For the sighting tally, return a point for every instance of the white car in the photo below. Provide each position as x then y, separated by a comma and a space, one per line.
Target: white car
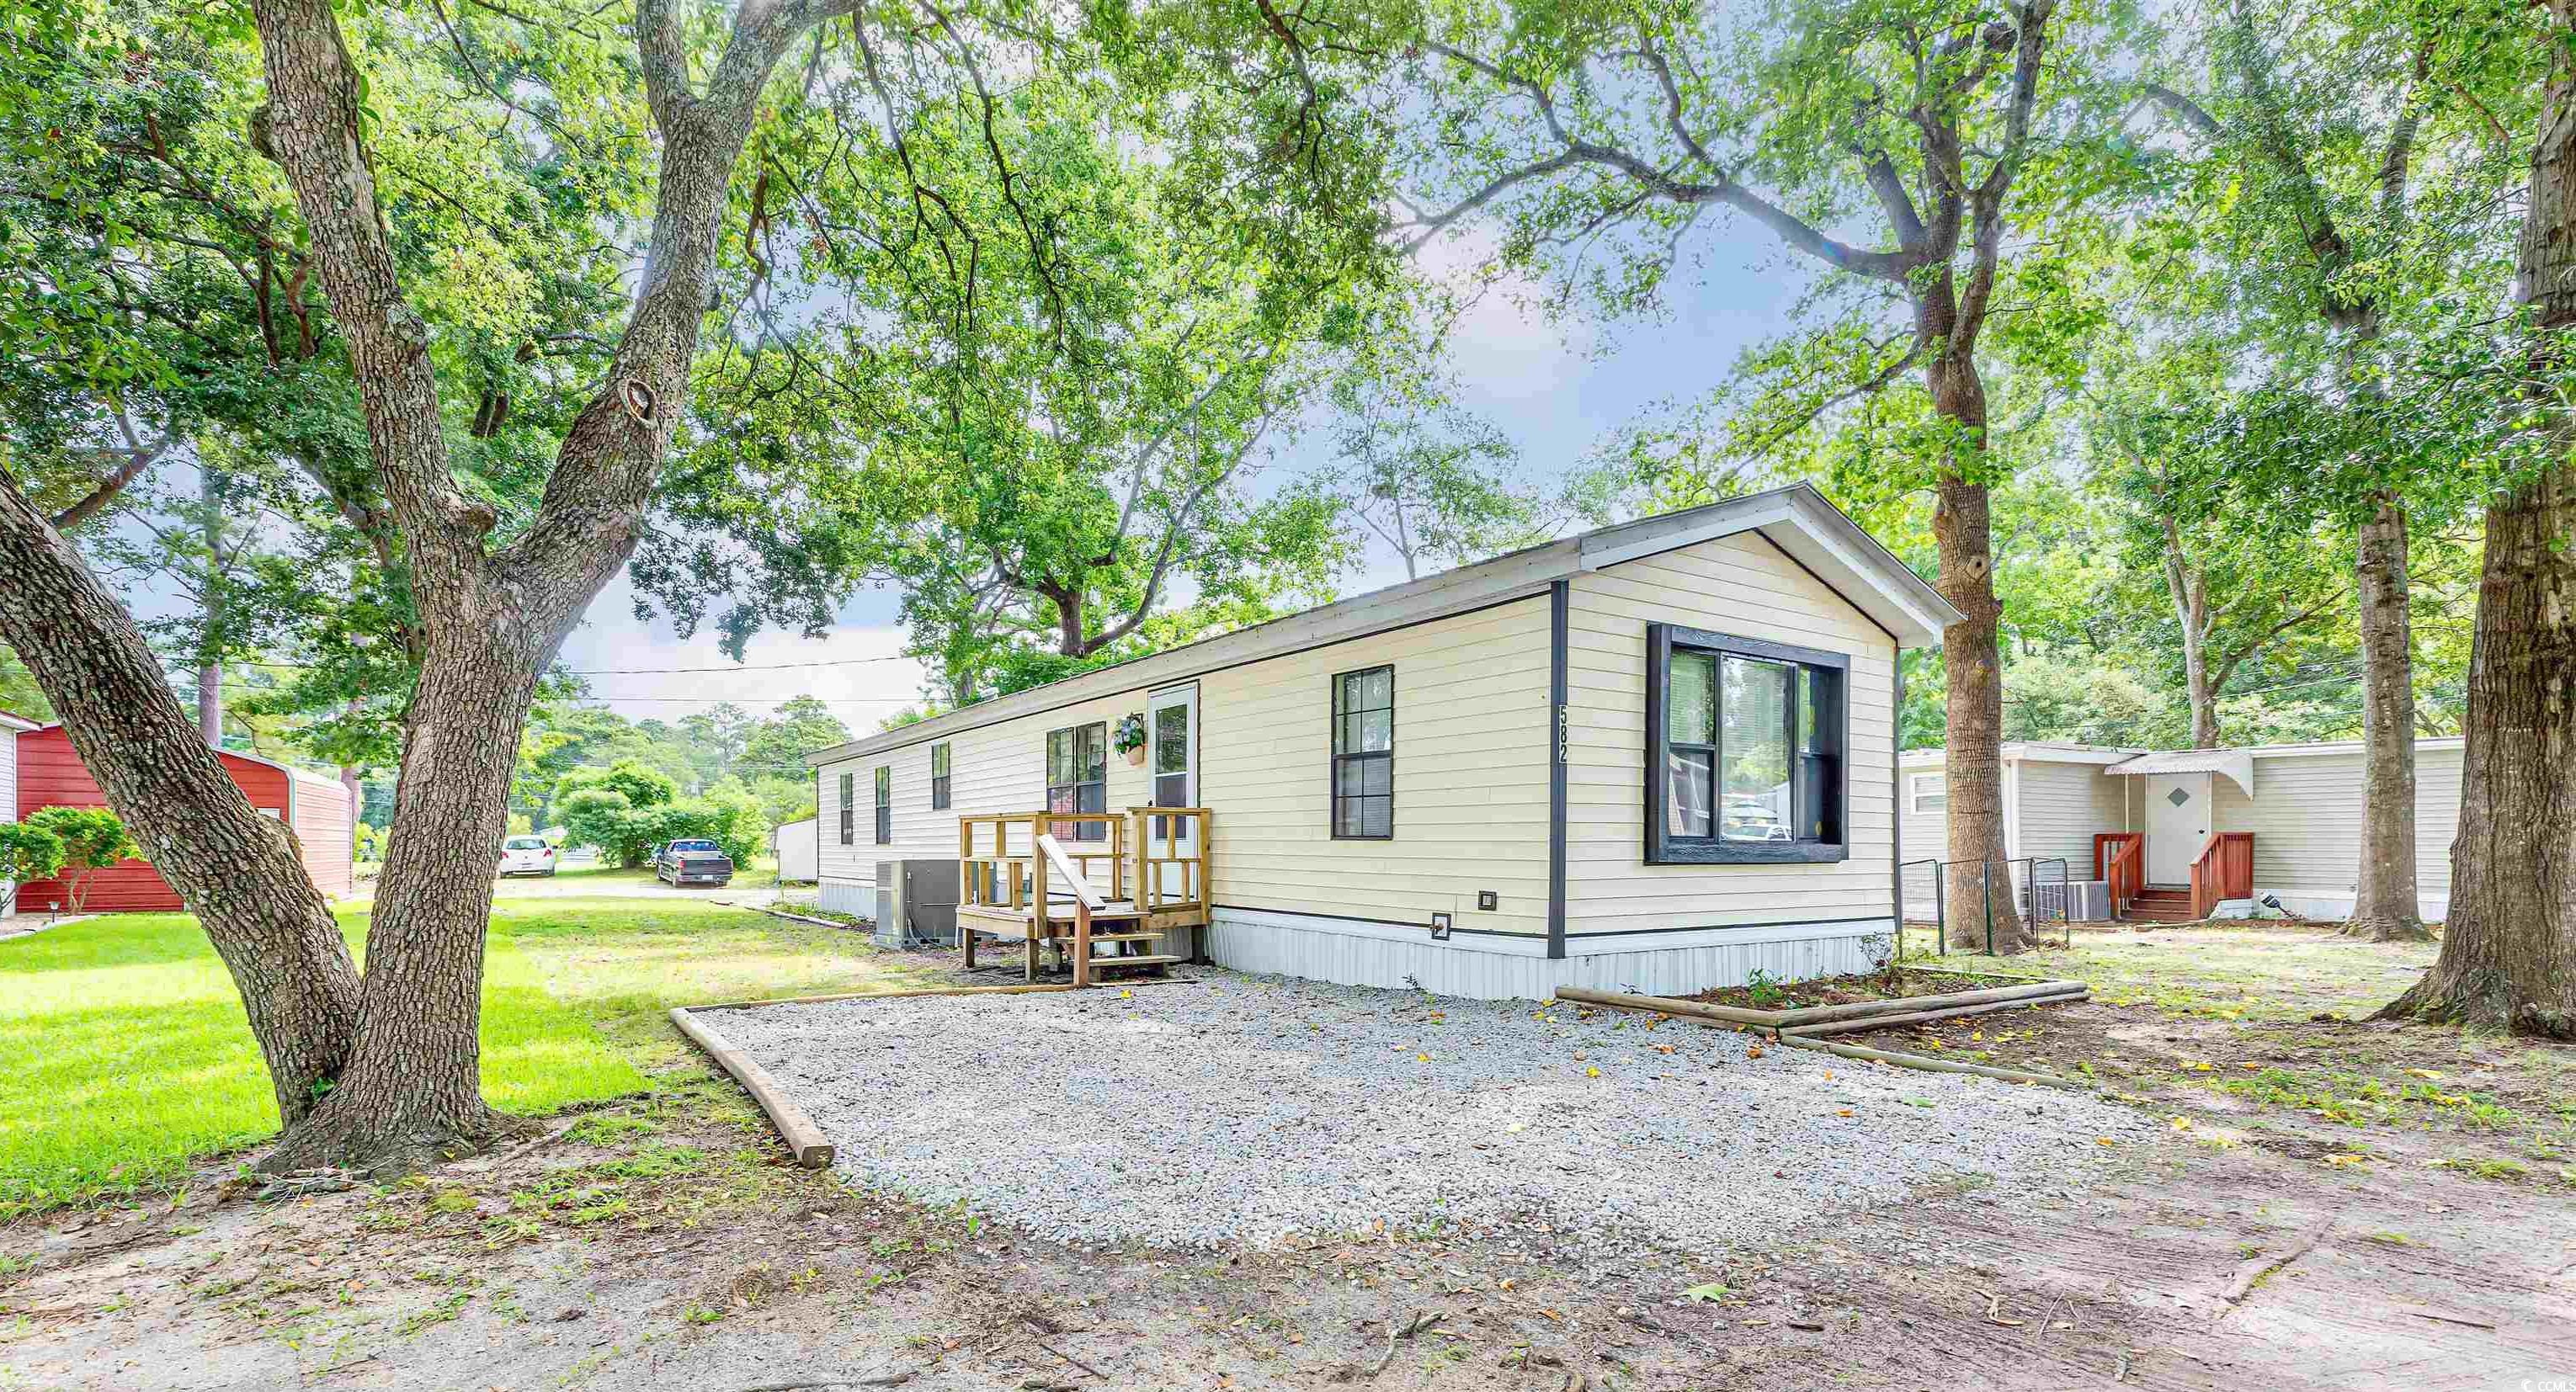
527, 855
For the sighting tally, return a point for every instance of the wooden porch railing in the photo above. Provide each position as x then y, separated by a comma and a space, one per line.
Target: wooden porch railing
1159, 834
2224, 870
1143, 845
2120, 861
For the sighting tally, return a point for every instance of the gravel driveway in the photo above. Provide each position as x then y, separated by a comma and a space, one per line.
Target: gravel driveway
1249, 1109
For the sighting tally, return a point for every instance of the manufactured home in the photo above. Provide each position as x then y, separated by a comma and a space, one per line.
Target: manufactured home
1659, 755
49, 773
11, 726
793, 843
2296, 808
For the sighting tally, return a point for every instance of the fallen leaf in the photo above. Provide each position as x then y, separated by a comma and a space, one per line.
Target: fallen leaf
1710, 1292
1592, 1072
1846, 1111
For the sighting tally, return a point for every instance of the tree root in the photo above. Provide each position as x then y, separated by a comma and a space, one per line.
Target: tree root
2386, 928
342, 1135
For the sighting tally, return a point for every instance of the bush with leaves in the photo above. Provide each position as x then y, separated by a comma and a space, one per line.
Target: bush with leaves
26, 853
93, 839
603, 817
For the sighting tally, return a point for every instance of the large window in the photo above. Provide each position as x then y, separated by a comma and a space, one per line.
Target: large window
1077, 762
849, 809
939, 775
1364, 755
885, 804
1744, 749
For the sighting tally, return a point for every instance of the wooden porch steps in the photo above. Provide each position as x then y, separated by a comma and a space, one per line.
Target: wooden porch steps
2161, 904
1156, 960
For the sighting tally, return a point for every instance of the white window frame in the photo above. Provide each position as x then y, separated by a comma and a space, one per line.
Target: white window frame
1915, 792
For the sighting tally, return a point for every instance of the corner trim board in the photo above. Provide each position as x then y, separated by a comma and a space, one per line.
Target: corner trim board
1560, 609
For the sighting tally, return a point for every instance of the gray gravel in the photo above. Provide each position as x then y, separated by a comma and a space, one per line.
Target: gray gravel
1256, 1108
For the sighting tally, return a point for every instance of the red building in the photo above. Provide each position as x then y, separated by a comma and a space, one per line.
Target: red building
50, 774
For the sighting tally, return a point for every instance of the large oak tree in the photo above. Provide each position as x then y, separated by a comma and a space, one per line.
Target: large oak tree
1602, 137
2508, 958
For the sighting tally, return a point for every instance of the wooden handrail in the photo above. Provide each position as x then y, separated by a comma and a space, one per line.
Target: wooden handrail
989, 877
2224, 869
2119, 860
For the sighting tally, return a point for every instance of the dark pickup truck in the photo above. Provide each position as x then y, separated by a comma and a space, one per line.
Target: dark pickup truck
698, 862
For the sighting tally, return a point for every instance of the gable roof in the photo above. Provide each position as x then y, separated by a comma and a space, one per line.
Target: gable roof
1797, 519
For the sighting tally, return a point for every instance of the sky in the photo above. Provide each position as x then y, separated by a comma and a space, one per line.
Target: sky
1556, 387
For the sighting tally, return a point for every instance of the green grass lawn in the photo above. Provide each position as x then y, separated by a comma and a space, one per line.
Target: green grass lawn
2252, 970
130, 1057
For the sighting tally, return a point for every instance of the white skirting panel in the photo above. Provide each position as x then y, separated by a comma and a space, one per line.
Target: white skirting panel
847, 896
1498, 967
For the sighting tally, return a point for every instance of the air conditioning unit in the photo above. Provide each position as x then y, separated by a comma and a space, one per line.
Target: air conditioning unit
916, 903
2088, 901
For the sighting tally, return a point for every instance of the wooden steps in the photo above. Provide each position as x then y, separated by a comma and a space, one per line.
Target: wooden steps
1156, 960
2161, 904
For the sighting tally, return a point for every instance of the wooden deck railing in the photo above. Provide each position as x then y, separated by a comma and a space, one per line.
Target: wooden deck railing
2224, 870
2120, 861
999, 865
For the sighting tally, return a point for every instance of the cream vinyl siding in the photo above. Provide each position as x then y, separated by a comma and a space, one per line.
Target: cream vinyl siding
1744, 587
2306, 818
2060, 807
1471, 776
999, 768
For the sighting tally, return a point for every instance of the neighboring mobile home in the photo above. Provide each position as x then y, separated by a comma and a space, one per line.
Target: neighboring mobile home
793, 843
50, 774
11, 726
2300, 804
1656, 755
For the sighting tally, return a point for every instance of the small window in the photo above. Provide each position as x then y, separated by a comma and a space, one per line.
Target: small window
1744, 750
885, 804
849, 809
938, 776
1930, 792
1364, 755
1077, 762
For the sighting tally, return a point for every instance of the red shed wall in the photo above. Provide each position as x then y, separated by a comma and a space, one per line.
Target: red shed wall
50, 774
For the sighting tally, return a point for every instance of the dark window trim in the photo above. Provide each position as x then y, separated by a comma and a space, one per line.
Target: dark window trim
885, 804
939, 781
1082, 831
849, 807
1664, 849
1333, 755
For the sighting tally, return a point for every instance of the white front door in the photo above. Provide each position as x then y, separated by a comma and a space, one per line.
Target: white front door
2177, 825
1172, 759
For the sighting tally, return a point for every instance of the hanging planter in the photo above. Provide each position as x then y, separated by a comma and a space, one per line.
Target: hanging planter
1131, 737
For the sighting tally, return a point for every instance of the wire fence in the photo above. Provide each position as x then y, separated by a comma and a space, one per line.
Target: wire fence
2034, 888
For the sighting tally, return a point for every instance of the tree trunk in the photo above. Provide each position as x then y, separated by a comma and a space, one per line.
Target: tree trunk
2509, 942
210, 704
412, 1093
2385, 903
2190, 591
1979, 888
235, 868
491, 620
210, 670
